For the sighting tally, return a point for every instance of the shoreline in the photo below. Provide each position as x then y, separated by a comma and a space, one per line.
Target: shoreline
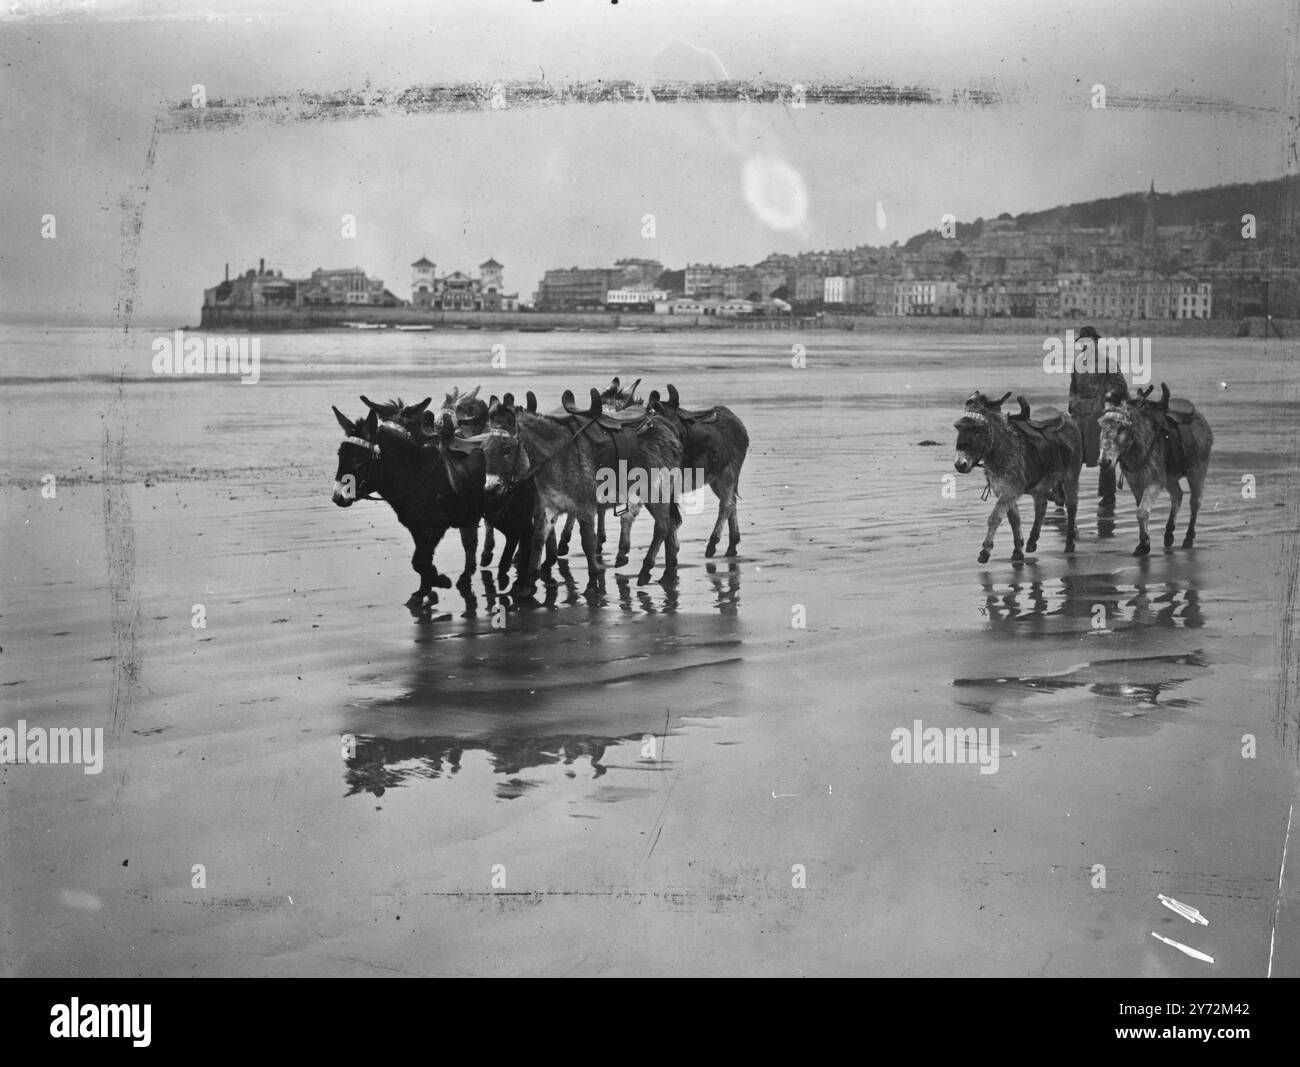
393, 319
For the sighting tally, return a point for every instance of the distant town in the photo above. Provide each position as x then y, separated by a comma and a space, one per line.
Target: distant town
1052, 265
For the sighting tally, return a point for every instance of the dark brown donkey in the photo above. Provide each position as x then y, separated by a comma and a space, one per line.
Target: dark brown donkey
713, 440
1153, 444
1020, 455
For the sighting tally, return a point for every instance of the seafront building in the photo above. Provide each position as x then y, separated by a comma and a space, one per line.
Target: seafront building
458, 291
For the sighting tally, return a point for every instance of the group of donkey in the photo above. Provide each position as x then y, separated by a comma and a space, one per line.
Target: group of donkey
1151, 443
518, 471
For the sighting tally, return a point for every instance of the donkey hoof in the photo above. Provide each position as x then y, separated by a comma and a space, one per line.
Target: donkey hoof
1069, 548
442, 581
643, 578
523, 590
1032, 546
1188, 542
1169, 540
983, 557
563, 549
620, 560
711, 550
417, 598
1143, 549
731, 551
1017, 556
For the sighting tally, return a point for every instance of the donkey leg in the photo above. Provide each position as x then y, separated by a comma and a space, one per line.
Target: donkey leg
1013, 517
625, 534
733, 522
563, 550
995, 520
1143, 516
426, 543
508, 551
712, 547
1071, 511
600, 528
489, 545
1197, 481
1040, 509
1175, 501
469, 541
595, 572
660, 514
526, 581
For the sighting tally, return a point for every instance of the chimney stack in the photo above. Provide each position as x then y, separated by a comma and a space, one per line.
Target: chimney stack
227, 272
261, 267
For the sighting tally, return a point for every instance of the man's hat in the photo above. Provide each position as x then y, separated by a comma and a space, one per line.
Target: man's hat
1087, 332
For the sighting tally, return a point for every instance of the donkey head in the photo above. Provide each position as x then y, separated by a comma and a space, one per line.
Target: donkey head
1118, 429
502, 452
615, 398
358, 469
974, 436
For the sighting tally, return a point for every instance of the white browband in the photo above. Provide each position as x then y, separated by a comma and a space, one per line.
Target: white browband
362, 443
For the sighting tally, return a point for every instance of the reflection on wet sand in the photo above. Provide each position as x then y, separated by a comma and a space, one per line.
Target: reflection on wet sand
1071, 602
562, 589
548, 682
1133, 692
382, 763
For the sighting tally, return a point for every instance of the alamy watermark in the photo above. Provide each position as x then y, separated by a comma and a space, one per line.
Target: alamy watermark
1105, 355
655, 485
179, 354
953, 744
36, 744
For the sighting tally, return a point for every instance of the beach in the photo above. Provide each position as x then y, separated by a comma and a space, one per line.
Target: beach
675, 780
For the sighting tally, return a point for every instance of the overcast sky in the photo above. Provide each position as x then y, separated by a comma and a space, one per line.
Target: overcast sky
81, 86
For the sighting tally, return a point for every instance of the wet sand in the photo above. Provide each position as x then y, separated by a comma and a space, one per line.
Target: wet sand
646, 773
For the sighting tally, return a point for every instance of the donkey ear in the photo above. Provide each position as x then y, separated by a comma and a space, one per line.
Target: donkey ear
372, 405
653, 399
532, 400
471, 394
372, 422
1003, 400
344, 421
418, 410
614, 385
595, 402
673, 399
492, 401
508, 401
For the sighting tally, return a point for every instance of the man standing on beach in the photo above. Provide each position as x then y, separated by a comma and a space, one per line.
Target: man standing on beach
1089, 384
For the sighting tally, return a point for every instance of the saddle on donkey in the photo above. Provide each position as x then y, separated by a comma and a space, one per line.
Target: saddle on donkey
620, 427
1039, 433
1175, 427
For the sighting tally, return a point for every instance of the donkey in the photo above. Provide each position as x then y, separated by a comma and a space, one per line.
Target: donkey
1020, 455
380, 458
1154, 443
462, 472
614, 399
632, 446
525, 451
715, 440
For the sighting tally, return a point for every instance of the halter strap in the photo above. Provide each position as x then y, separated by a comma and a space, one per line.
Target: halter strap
361, 442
